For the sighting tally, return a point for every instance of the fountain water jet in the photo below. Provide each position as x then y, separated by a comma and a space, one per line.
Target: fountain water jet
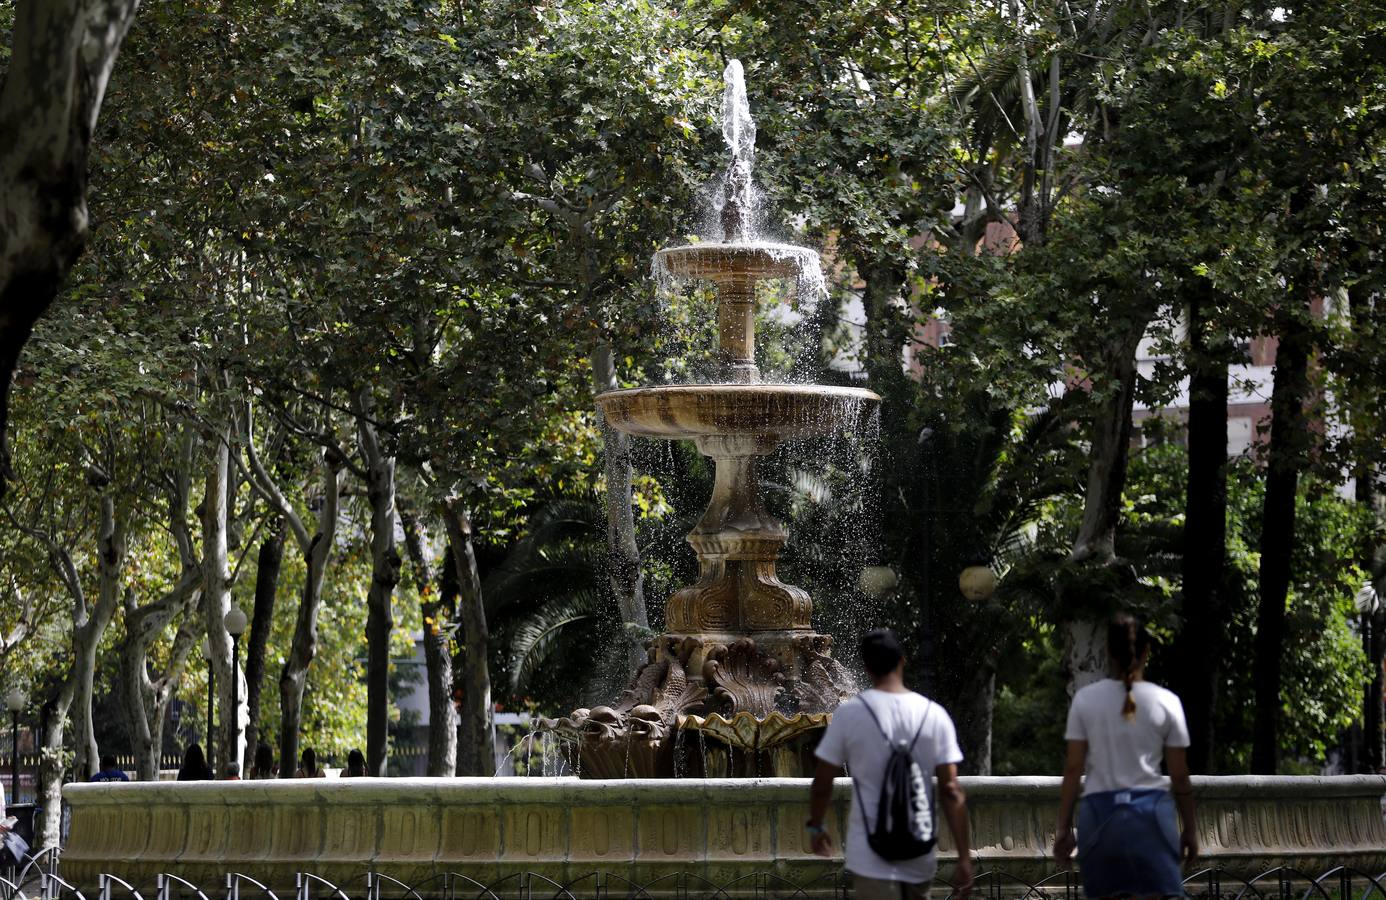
739, 661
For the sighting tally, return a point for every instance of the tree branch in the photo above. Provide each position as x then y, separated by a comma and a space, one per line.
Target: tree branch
264, 485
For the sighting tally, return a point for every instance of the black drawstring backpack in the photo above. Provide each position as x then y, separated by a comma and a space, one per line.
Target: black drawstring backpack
904, 826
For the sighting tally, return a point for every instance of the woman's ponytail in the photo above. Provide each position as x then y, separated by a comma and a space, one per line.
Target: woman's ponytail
1127, 643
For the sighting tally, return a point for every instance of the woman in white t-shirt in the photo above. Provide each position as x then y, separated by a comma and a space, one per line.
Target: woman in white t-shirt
1119, 730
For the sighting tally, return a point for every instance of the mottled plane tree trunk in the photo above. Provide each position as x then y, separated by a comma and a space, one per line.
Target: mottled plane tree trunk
145, 698
267, 567
89, 623
385, 565
61, 56
438, 606
1286, 457
111, 550
476, 743
216, 596
316, 549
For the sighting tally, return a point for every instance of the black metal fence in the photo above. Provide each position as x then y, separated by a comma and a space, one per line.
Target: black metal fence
39, 878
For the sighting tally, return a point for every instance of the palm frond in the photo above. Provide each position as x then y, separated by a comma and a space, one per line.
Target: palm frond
1013, 547
539, 634
564, 544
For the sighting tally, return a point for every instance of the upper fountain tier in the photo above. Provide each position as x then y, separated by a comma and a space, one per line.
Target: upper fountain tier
735, 268
740, 409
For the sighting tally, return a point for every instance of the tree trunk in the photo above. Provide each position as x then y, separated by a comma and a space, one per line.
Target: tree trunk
476, 742
144, 699
89, 624
51, 767
970, 698
438, 606
885, 333
622, 552
61, 56
1374, 727
1111, 445
304, 647
954, 650
1362, 400
111, 562
216, 600
1198, 646
1085, 652
385, 565
268, 563
1285, 459
1095, 542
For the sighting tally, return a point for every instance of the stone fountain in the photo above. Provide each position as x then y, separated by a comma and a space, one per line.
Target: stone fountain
739, 669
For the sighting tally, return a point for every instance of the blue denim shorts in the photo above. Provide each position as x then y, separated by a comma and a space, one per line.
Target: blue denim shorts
1128, 843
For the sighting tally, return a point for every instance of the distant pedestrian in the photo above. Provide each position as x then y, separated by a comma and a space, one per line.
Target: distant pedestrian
1118, 730
890, 738
231, 772
110, 770
308, 766
194, 766
356, 765
264, 763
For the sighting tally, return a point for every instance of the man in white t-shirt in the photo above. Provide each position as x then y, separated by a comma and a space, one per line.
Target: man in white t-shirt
855, 739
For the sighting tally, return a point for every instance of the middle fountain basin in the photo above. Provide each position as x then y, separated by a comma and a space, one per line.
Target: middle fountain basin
776, 411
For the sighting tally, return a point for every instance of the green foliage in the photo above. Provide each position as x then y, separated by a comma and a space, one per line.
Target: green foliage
1323, 663
1031, 707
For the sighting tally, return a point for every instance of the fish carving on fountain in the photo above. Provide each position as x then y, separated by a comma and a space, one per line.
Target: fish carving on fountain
739, 667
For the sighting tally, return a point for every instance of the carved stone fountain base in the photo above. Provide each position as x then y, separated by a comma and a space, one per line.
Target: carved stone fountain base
712, 705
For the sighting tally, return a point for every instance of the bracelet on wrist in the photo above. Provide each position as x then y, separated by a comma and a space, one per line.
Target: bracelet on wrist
814, 829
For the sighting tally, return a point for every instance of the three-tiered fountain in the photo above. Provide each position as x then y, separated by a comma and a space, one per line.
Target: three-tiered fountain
739, 683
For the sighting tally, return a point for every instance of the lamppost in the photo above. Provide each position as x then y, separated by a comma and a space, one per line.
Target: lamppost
211, 691
16, 701
235, 622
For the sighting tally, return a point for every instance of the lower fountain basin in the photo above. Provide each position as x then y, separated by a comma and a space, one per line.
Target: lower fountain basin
783, 411
721, 830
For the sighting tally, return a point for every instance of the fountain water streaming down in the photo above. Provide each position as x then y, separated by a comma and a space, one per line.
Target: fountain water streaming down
739, 662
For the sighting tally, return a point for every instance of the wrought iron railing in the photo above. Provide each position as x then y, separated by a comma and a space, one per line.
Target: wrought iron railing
38, 878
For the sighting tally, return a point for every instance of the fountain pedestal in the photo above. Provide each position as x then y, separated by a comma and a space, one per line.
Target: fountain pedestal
737, 543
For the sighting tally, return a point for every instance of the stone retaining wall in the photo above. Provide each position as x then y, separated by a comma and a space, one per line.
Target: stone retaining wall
488, 828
